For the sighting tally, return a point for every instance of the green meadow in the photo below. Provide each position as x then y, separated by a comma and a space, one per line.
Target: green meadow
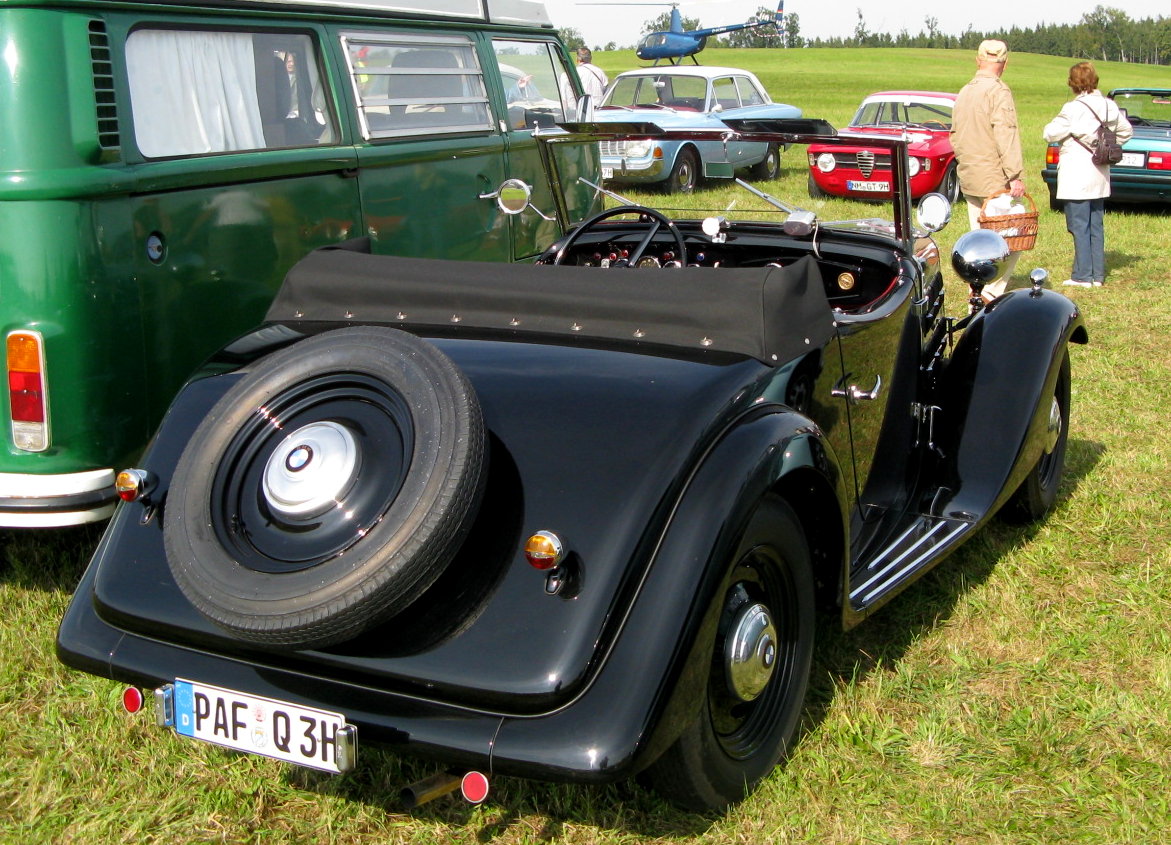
1020, 693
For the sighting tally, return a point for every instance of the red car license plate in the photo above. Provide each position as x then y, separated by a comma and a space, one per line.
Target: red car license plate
870, 187
306, 736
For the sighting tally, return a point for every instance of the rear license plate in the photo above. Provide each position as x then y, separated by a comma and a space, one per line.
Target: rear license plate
855, 185
306, 736
607, 172
1133, 160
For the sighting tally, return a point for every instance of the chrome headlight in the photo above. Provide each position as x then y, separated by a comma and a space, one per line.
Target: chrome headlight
980, 256
638, 149
826, 162
914, 166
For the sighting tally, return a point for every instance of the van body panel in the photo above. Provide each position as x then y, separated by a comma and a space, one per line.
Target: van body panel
47, 91
93, 358
225, 250
407, 188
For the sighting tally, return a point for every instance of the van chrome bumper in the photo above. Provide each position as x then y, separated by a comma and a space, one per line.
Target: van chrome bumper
56, 501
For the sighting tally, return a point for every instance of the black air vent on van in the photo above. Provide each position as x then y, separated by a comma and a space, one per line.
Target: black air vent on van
103, 69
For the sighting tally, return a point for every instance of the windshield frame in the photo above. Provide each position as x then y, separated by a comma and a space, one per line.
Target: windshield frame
783, 133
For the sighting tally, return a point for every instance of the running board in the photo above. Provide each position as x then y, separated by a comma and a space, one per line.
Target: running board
920, 546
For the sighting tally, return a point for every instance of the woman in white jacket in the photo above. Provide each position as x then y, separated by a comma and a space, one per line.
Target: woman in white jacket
1082, 185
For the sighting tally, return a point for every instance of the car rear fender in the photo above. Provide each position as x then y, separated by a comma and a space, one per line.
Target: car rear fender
657, 671
995, 396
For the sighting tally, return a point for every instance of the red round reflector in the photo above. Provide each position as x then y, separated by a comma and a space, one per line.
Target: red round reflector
474, 787
132, 699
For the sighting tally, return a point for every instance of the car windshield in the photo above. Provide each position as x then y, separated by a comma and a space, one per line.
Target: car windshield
647, 91
903, 112
1145, 108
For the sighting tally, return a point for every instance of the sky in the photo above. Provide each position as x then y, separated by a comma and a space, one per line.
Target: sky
601, 24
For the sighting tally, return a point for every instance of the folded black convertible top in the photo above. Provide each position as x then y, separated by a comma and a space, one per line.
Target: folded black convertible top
772, 314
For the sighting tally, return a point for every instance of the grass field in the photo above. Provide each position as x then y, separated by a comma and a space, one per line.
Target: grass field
1020, 693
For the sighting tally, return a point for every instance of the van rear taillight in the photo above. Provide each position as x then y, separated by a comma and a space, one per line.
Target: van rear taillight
1052, 154
28, 399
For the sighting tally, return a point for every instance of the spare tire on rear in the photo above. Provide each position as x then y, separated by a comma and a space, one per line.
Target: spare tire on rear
327, 489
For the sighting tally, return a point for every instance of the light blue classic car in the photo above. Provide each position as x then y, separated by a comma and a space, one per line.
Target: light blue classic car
692, 97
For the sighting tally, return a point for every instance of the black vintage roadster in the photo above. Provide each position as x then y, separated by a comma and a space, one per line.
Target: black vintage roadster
573, 520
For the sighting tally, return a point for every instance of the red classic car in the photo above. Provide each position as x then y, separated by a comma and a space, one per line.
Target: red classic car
862, 172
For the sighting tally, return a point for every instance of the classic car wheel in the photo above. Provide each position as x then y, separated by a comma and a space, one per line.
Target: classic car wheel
327, 488
657, 220
949, 185
759, 673
1037, 493
815, 190
685, 174
769, 167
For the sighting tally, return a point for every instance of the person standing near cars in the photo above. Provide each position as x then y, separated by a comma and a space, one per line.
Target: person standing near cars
593, 78
1083, 186
986, 138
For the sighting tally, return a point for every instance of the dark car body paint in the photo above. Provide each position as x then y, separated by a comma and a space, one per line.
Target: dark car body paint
649, 461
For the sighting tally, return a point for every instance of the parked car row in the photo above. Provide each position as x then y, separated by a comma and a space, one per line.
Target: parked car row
698, 97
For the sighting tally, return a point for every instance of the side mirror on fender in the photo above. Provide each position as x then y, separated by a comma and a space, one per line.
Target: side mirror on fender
933, 212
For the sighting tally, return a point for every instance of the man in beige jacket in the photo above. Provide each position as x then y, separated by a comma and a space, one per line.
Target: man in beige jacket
987, 142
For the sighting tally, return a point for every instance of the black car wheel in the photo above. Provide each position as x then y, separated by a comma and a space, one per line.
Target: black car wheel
949, 186
327, 488
759, 672
685, 174
1037, 493
815, 190
769, 167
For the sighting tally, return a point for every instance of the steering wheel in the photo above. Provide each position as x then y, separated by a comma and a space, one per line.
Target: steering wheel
657, 220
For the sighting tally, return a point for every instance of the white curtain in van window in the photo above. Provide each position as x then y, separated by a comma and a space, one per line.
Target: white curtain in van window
193, 92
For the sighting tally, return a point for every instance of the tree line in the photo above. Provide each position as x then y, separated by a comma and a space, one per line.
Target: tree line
1104, 34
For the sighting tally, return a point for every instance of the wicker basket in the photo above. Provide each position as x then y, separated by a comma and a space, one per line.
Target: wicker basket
1020, 230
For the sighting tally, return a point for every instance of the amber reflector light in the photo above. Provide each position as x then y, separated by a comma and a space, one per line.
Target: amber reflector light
544, 550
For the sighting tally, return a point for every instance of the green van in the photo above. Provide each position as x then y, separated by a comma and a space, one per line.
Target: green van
162, 164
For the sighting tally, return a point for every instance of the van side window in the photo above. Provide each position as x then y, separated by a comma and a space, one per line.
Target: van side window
197, 92
416, 85
537, 88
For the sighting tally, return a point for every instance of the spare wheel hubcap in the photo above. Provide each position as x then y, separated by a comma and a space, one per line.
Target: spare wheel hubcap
311, 470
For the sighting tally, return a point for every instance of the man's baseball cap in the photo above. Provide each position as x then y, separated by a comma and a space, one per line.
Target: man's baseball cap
992, 51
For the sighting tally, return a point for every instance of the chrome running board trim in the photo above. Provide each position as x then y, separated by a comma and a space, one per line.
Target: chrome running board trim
922, 544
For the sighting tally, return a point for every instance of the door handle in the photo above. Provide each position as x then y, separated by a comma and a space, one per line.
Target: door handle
854, 393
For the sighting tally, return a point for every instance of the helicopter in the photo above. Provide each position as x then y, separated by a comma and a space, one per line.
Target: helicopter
676, 44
